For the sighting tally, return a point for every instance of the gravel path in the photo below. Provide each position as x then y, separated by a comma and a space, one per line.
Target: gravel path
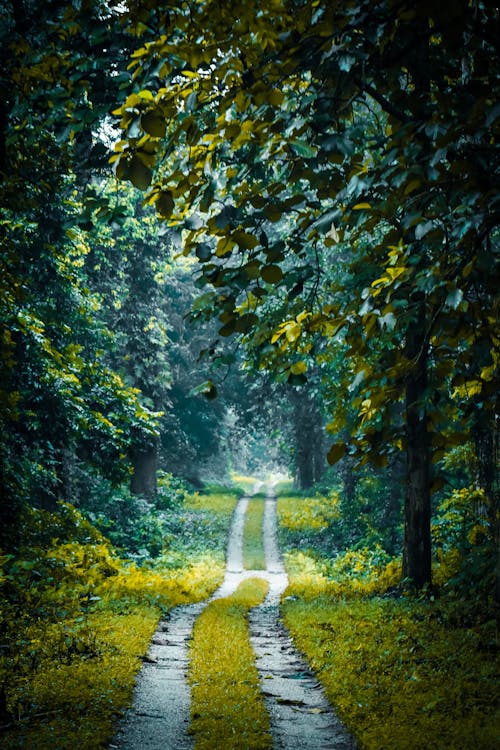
299, 711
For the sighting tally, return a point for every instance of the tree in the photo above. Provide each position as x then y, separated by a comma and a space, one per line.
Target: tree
59, 400
369, 124
127, 267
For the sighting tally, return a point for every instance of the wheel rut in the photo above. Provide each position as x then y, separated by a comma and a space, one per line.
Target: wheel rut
299, 711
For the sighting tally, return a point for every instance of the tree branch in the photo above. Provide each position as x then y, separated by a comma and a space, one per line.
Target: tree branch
384, 103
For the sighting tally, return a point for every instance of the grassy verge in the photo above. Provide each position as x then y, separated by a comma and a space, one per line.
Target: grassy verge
227, 707
253, 541
79, 676
402, 672
76, 619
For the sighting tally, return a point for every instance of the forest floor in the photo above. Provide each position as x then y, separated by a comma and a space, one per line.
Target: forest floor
299, 712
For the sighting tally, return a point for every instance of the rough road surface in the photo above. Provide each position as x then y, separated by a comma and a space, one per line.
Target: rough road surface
299, 711
301, 716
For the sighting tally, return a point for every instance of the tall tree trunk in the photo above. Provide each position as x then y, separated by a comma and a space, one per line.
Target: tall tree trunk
391, 517
486, 446
485, 434
308, 439
349, 480
495, 510
143, 479
417, 537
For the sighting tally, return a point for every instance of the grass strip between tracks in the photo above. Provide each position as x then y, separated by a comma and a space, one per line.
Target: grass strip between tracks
227, 705
253, 542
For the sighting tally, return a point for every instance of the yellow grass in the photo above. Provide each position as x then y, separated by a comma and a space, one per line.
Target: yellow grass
227, 707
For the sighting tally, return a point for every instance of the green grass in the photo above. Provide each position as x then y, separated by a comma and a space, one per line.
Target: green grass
253, 541
197, 528
79, 618
227, 705
403, 674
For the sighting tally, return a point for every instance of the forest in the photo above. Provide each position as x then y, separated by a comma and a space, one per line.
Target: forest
243, 243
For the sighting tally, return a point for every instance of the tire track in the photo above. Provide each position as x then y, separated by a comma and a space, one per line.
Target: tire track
299, 711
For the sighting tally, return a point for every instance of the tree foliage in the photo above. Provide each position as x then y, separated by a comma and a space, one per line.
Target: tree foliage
60, 399
278, 138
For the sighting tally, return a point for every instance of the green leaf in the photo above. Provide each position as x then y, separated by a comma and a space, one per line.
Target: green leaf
273, 212
271, 274
302, 148
252, 269
228, 329
245, 240
275, 97
154, 123
165, 204
121, 169
245, 323
336, 452
139, 175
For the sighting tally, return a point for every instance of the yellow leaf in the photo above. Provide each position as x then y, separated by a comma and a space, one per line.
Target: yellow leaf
292, 331
488, 373
361, 206
224, 246
298, 368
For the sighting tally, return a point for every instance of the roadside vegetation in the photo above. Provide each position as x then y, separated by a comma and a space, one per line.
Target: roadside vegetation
227, 708
77, 617
399, 669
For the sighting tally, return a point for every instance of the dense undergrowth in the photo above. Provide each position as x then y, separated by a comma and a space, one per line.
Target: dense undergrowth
227, 708
76, 617
399, 669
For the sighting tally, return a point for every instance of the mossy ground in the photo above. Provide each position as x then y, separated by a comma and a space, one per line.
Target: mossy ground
228, 708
